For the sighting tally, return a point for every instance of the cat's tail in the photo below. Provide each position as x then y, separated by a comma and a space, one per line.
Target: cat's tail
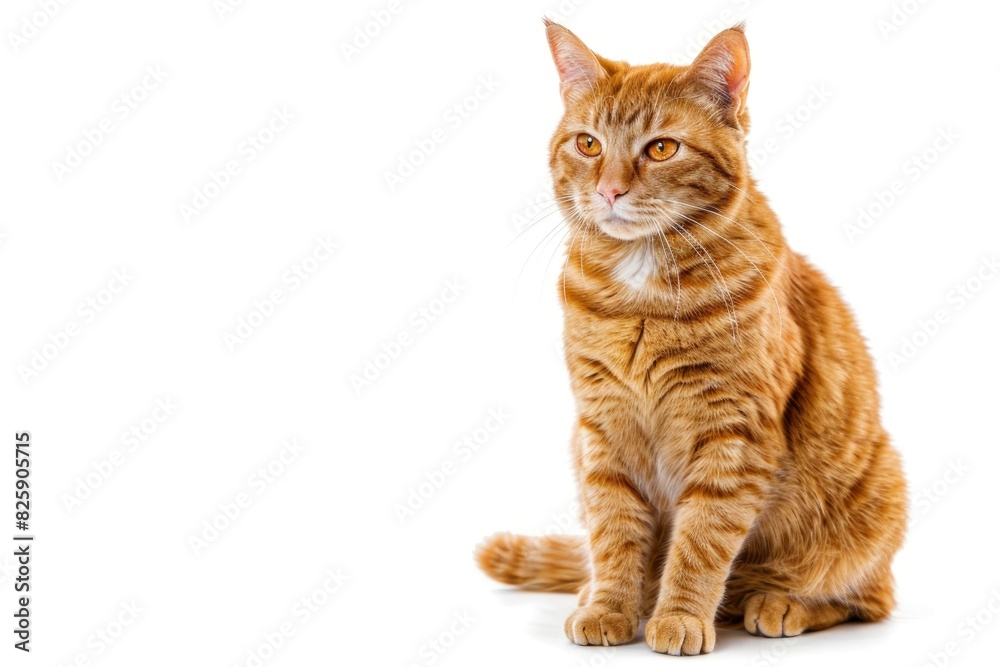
558, 563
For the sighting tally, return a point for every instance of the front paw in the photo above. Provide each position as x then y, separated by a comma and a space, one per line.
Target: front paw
678, 633
597, 625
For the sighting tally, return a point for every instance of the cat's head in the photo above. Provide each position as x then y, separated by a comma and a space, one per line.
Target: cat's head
643, 147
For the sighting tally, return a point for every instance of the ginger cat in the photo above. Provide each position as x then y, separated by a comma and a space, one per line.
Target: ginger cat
728, 448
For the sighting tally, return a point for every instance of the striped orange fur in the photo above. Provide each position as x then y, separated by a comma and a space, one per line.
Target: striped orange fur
728, 448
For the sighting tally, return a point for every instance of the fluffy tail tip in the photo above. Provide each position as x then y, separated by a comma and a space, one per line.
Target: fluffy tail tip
500, 556
547, 563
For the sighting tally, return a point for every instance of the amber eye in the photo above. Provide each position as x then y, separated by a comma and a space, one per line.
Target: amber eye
588, 145
662, 149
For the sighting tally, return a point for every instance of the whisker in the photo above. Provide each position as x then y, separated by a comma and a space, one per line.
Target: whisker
673, 262
670, 283
745, 193
566, 261
712, 211
555, 251
528, 260
724, 292
757, 268
716, 212
677, 271
547, 214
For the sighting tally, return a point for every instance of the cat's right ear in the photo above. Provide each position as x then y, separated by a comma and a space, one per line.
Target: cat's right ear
579, 69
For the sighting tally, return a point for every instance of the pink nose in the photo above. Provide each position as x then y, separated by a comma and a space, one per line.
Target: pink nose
611, 192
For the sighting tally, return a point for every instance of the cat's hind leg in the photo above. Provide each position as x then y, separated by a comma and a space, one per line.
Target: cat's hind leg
778, 615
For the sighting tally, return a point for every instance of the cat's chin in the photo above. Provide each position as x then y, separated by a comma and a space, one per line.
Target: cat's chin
624, 229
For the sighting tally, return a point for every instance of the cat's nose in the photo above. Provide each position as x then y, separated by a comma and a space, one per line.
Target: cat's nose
611, 192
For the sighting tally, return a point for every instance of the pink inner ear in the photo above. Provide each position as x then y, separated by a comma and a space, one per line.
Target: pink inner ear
725, 63
569, 65
577, 65
739, 70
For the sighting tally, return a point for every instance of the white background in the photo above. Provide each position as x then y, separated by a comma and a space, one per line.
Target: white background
886, 95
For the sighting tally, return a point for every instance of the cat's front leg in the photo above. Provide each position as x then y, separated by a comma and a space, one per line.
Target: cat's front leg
621, 527
723, 495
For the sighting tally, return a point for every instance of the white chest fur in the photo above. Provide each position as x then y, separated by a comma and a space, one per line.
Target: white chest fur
636, 267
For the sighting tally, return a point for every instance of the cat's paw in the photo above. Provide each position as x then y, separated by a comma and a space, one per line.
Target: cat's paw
774, 615
678, 633
596, 625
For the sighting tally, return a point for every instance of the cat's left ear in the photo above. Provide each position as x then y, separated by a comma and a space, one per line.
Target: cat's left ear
722, 73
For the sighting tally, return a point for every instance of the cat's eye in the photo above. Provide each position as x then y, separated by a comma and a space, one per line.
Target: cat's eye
588, 145
662, 149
